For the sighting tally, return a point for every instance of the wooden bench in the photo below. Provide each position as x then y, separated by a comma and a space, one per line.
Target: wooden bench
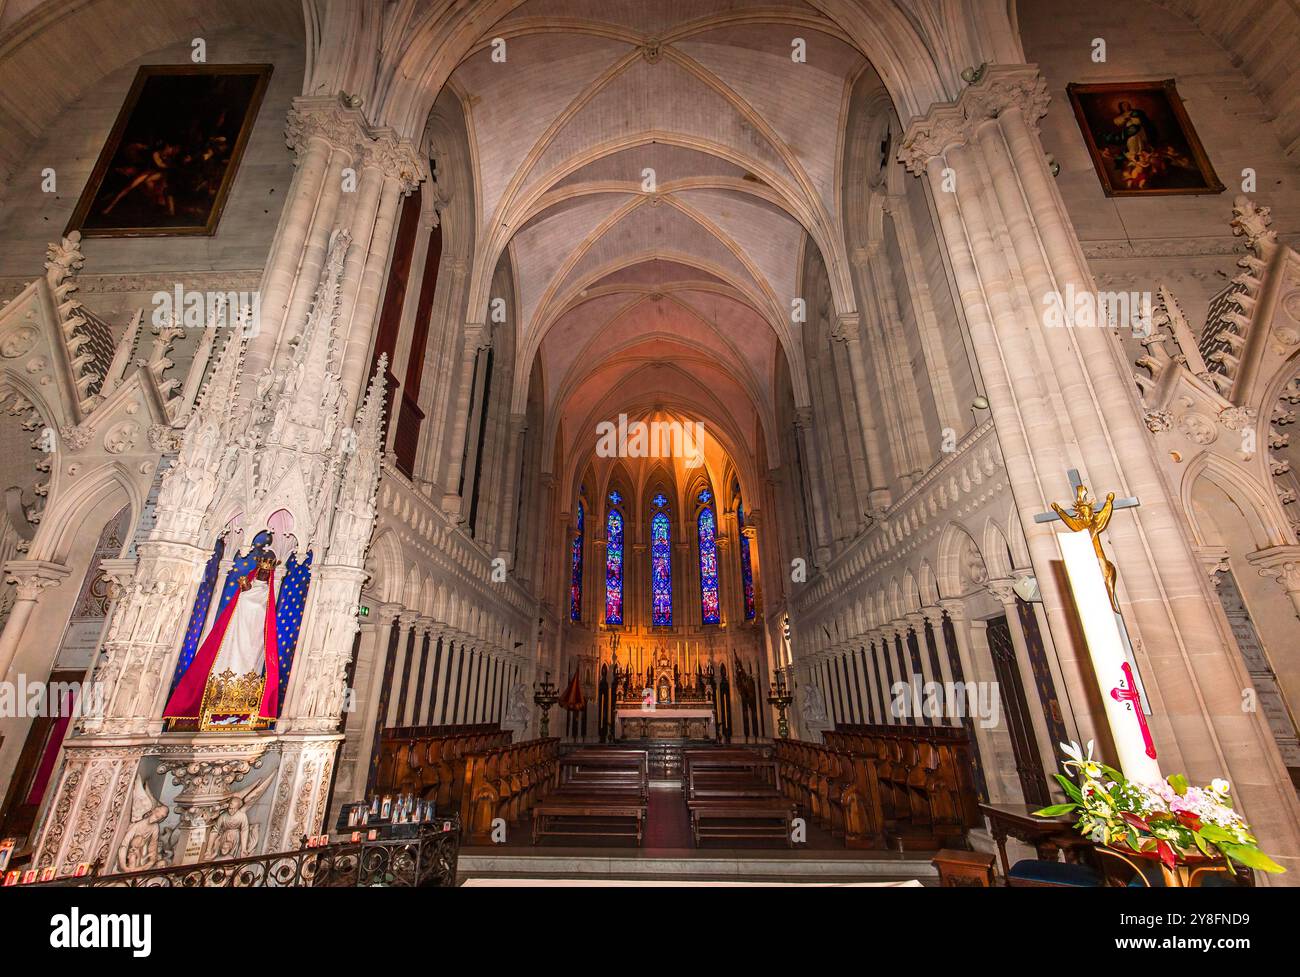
836, 788
599, 794
763, 818
736, 795
505, 783
428, 761
924, 777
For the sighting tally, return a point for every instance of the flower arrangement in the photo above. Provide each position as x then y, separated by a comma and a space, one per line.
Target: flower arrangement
1169, 820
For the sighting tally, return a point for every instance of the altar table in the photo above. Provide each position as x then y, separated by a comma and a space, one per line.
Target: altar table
665, 723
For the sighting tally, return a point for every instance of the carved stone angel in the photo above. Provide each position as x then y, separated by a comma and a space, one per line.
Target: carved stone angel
140, 849
232, 835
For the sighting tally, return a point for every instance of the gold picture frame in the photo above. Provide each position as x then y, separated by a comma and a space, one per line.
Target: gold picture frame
1141, 141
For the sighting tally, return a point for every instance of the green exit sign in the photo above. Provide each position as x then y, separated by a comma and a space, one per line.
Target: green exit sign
363, 610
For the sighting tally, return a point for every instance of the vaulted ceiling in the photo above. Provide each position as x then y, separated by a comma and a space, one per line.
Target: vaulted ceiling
654, 172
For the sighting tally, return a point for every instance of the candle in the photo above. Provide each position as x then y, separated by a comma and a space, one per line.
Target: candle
1109, 663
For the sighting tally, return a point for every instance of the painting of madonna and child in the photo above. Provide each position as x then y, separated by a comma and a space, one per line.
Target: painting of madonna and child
1141, 141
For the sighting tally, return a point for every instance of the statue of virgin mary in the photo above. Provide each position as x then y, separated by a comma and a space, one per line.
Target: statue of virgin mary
239, 652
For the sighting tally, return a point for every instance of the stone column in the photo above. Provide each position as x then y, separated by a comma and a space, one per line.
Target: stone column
31, 579
1064, 398
419, 663
729, 599
404, 624
507, 544
813, 464
848, 330
469, 378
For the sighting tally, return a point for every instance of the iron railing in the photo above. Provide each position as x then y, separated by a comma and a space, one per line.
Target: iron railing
427, 858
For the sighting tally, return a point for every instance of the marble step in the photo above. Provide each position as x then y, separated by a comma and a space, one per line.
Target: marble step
694, 864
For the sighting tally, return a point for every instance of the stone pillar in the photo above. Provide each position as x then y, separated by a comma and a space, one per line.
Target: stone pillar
31, 578
1064, 398
404, 625
507, 543
933, 616
469, 378
813, 464
848, 331
419, 665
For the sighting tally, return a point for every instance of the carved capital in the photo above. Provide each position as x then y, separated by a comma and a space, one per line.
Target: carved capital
954, 608
1282, 563
847, 327
323, 117
341, 127
1002, 590
32, 577
934, 615
1002, 88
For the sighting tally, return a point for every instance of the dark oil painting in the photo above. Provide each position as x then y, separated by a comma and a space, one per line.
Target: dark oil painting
167, 166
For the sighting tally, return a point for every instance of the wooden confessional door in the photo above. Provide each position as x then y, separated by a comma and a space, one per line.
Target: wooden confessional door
1029, 764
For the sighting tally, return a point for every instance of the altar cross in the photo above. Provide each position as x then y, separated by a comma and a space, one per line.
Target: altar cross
1084, 515
1076, 483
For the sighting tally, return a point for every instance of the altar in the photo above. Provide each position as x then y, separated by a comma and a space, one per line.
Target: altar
664, 722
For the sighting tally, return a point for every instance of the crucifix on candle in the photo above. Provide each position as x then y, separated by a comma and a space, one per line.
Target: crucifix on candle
1092, 579
1085, 515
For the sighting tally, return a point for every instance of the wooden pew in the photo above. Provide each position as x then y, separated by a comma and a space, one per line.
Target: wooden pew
836, 788
505, 783
427, 760
927, 793
735, 794
600, 793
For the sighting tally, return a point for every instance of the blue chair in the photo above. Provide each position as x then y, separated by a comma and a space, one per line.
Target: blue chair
1035, 872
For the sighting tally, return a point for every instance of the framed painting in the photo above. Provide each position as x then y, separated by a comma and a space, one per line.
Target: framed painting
1140, 139
168, 164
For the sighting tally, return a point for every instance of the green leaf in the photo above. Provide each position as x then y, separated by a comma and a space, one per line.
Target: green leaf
1056, 810
1251, 857
1215, 834
1179, 783
1200, 843
1071, 789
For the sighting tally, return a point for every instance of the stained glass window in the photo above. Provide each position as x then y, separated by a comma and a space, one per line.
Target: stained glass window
616, 497
708, 530
575, 573
746, 568
660, 500
614, 567
661, 572
705, 496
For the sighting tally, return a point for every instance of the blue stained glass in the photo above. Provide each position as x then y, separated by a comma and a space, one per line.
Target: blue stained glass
575, 573
708, 529
705, 497
660, 500
616, 497
614, 567
661, 572
746, 568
